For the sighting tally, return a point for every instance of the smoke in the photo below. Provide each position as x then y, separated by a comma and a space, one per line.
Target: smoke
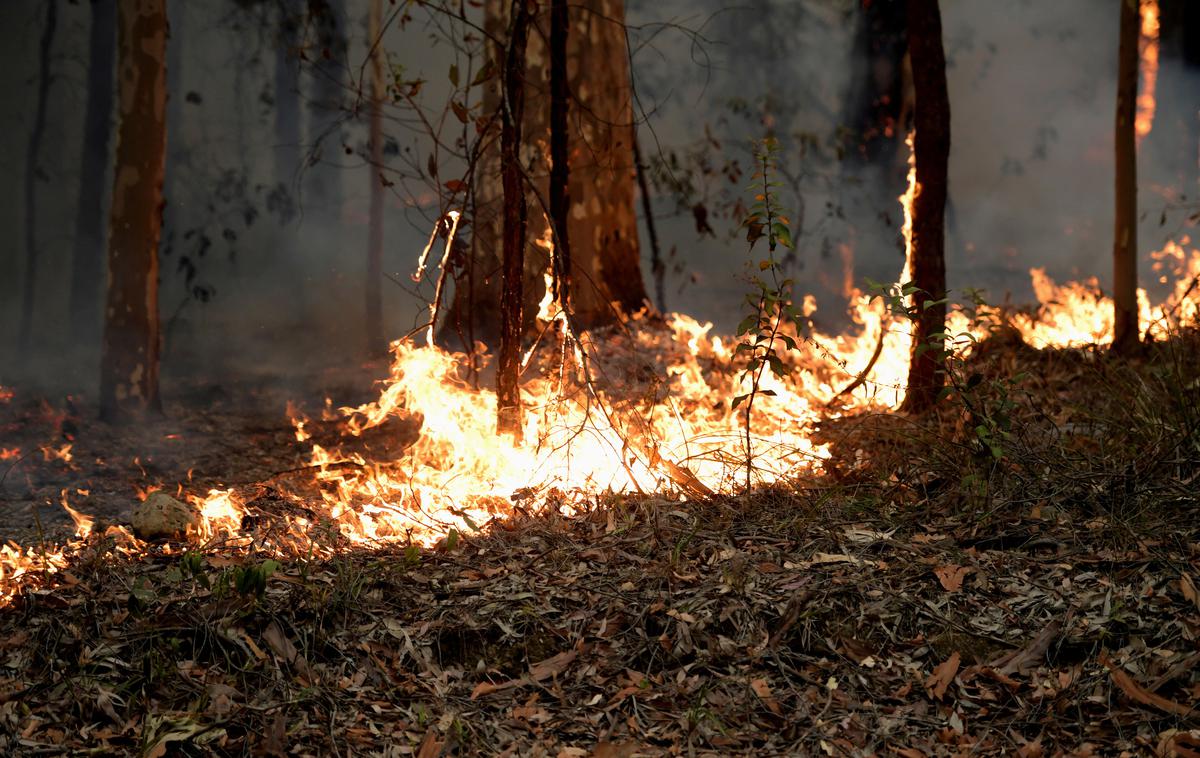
1031, 86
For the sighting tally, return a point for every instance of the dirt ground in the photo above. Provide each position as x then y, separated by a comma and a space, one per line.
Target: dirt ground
212, 434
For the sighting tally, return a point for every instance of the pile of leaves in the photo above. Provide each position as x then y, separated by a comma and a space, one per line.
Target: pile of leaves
767, 625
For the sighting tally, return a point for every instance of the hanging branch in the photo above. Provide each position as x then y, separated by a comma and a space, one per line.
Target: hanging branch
657, 268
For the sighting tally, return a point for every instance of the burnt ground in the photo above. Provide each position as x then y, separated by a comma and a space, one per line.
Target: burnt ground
211, 434
1018, 574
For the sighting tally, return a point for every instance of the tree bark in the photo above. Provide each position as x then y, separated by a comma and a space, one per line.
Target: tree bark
87, 259
1125, 316
931, 150
560, 190
602, 227
130, 351
376, 344
37, 131
508, 391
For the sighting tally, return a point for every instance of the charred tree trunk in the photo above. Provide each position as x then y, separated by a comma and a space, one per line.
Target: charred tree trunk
32, 172
87, 259
560, 190
322, 183
602, 227
129, 358
376, 344
512, 302
931, 150
1125, 316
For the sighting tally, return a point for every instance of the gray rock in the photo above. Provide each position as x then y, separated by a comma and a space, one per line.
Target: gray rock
161, 516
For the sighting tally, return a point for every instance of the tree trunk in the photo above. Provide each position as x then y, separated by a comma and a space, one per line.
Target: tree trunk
129, 358
287, 157
931, 150
287, 97
605, 260
376, 344
508, 368
87, 259
1125, 316
32, 171
560, 190
322, 192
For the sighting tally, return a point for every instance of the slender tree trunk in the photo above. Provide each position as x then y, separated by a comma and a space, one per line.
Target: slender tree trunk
87, 260
129, 358
287, 97
376, 344
560, 172
508, 391
1125, 316
931, 149
287, 156
322, 183
32, 170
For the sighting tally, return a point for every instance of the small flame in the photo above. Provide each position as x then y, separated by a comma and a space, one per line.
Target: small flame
9, 453
57, 454
83, 523
1148, 52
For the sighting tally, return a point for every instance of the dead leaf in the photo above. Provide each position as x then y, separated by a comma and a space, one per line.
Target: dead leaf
274, 742
952, 576
487, 688
945, 672
1140, 694
614, 750
531, 713
1188, 587
1020, 661
552, 666
431, 746
283, 647
763, 689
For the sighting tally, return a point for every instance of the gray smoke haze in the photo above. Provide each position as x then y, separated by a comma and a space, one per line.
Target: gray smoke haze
1032, 88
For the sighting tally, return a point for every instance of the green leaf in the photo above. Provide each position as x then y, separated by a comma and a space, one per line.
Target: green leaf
454, 74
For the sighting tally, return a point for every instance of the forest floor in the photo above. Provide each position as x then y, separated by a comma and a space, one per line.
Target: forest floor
1018, 574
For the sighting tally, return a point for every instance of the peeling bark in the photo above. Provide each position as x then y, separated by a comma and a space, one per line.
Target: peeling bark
130, 350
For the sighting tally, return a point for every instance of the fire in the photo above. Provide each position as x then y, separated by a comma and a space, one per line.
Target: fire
83, 522
62, 453
9, 453
1148, 51
655, 418
6, 394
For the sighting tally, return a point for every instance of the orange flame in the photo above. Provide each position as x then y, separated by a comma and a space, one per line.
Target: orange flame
1148, 51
